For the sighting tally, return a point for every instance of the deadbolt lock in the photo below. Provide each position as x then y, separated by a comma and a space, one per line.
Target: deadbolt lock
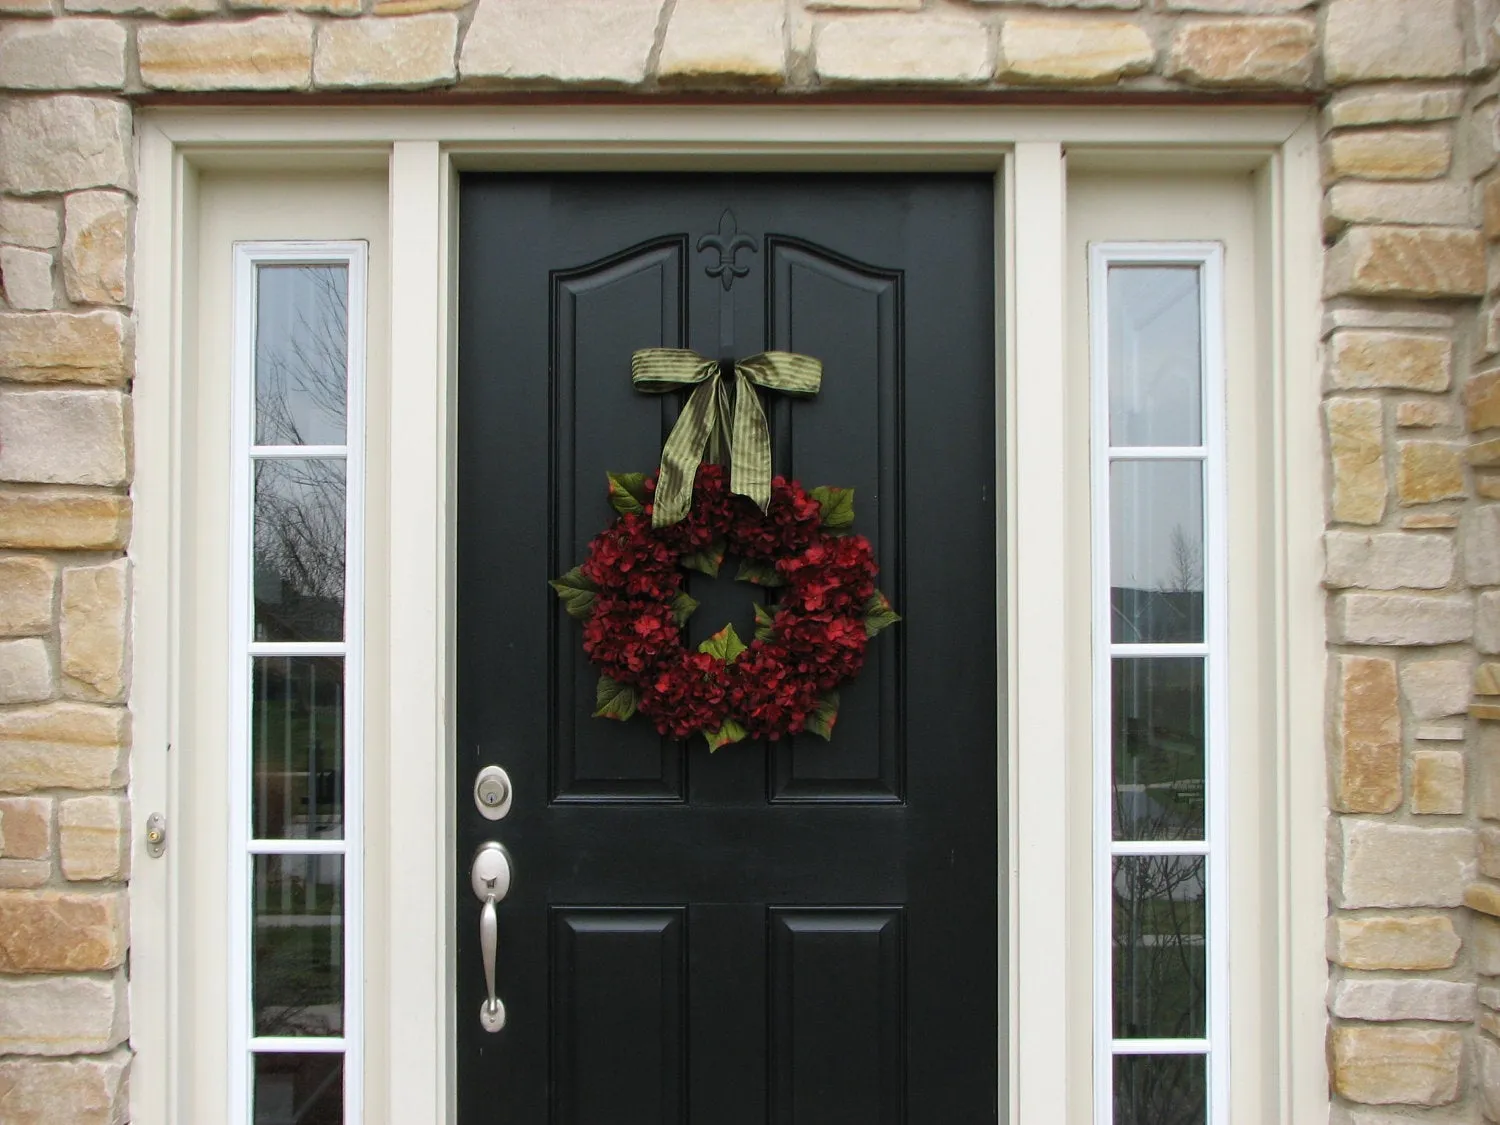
492, 792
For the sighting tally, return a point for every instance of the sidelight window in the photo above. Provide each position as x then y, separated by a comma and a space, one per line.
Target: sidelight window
1159, 683
296, 826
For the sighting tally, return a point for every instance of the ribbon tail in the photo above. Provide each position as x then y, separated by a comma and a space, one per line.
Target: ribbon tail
682, 455
750, 447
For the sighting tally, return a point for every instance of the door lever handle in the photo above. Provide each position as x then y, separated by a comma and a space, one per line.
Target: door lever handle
490, 878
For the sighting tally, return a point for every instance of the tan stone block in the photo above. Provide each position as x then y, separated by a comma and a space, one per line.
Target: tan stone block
63, 437
1387, 560
576, 41
1491, 207
64, 521
1406, 204
26, 592
26, 827
1487, 679
1489, 864
1366, 732
61, 931
1393, 941
1361, 360
1486, 487
24, 222
65, 347
1483, 454
416, 7
96, 249
412, 51
330, 7
95, 631
1364, 40
98, 152
1437, 784
1401, 619
1485, 898
61, 1015
1482, 401
1435, 689
922, 49
25, 8
16, 874
1381, 864
63, 746
1393, 105
93, 837
63, 55
1390, 154
1428, 521
1356, 446
1395, 1065
1487, 622
25, 671
865, 5
1421, 262
265, 53
1249, 7
1388, 1000
1423, 414
1428, 471
1249, 52
78, 1091
1071, 51
27, 275
724, 43
1485, 768
1488, 1055
1386, 318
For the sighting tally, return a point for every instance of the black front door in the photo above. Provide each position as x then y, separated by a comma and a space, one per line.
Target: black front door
799, 933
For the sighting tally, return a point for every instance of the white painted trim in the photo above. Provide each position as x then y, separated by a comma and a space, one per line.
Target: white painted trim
1208, 258
422, 147
248, 258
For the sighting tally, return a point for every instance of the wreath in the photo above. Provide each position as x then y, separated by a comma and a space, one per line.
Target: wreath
629, 596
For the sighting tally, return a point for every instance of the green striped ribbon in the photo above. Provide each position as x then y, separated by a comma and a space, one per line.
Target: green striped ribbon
708, 424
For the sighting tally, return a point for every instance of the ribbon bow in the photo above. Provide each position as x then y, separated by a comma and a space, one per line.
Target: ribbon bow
705, 422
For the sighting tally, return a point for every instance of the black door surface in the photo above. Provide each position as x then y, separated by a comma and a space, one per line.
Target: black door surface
799, 933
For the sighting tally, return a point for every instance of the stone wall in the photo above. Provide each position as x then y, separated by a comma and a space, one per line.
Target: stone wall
1412, 418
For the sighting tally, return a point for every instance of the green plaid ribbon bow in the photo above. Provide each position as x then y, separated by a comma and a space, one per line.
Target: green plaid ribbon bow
708, 423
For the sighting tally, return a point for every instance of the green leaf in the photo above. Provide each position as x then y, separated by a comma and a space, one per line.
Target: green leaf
627, 492
731, 731
725, 644
682, 608
838, 506
879, 614
706, 561
820, 722
614, 700
576, 592
760, 572
764, 619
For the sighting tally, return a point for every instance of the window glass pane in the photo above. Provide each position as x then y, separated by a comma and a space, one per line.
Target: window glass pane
1161, 1090
1157, 745
1156, 551
1159, 947
299, 1089
301, 355
297, 747
1155, 356
298, 917
299, 550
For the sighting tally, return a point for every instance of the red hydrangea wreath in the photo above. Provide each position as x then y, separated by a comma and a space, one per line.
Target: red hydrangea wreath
629, 595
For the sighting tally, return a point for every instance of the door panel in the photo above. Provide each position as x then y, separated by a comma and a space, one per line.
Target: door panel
801, 933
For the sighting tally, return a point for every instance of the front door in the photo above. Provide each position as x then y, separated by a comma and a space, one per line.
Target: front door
799, 932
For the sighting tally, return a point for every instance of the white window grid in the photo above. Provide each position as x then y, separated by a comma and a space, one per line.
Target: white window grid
244, 1045
1208, 259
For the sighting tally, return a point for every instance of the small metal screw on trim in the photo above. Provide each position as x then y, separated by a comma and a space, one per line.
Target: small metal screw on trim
156, 835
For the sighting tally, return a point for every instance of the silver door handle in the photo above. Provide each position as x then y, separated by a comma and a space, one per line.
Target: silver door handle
490, 878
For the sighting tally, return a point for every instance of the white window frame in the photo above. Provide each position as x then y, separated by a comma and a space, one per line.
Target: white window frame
1208, 258
1045, 927
243, 1045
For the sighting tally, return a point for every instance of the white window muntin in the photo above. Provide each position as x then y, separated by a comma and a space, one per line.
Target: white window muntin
245, 847
1206, 258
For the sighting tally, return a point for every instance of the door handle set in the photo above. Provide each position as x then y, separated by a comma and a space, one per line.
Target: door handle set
489, 875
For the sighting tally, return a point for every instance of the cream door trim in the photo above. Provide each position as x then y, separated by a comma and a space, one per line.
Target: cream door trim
419, 152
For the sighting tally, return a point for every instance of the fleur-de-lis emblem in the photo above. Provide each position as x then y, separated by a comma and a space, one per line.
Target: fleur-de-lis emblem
728, 242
